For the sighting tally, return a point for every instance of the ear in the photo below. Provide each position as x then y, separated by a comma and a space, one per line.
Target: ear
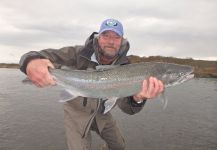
125, 46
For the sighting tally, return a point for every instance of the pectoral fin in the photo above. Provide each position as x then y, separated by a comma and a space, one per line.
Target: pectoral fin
66, 95
164, 100
109, 104
27, 81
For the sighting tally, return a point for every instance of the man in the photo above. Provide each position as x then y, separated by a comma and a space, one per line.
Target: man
108, 47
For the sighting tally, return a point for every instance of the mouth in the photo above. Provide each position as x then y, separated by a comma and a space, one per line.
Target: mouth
109, 48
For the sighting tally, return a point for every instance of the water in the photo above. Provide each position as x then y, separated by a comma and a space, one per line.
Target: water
32, 119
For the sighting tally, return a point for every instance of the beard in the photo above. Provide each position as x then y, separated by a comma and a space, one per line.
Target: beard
108, 54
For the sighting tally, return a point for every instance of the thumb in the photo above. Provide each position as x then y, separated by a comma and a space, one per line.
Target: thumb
145, 85
50, 65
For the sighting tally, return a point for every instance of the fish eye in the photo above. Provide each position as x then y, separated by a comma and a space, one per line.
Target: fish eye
181, 74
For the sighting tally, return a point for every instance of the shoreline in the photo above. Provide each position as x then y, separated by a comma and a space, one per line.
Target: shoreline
203, 68
9, 65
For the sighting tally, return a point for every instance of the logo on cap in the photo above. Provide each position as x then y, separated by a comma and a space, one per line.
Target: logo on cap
111, 23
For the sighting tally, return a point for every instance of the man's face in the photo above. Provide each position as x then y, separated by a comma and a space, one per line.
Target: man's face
110, 43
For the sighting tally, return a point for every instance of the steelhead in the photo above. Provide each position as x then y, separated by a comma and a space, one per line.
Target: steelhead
113, 82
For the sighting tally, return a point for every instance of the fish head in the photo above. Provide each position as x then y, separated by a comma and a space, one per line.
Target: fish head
174, 74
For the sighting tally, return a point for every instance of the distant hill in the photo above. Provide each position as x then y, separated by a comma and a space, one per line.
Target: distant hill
6, 65
203, 68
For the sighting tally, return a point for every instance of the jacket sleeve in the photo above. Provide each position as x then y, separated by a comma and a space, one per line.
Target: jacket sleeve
64, 56
129, 106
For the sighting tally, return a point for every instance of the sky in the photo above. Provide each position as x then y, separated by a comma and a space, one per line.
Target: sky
176, 28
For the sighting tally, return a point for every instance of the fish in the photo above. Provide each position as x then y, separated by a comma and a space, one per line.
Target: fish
111, 82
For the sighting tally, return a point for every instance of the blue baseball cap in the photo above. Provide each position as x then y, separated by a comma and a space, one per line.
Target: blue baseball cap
112, 25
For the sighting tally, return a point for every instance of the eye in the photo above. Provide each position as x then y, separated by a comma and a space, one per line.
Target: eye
181, 74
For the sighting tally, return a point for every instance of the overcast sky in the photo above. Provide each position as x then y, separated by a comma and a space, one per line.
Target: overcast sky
178, 28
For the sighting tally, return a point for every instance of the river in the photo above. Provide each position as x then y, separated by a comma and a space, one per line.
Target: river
32, 119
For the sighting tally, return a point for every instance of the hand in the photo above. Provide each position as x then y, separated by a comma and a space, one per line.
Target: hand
38, 73
150, 89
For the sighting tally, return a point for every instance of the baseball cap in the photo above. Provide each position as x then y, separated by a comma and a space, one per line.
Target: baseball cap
112, 25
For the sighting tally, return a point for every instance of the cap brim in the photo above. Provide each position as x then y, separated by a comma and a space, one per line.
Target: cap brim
111, 29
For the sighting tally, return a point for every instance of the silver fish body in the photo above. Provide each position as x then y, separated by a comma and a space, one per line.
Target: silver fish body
120, 81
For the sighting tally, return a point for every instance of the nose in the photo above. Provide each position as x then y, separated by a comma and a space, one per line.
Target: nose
111, 41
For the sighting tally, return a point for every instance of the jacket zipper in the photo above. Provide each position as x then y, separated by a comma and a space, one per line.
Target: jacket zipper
88, 124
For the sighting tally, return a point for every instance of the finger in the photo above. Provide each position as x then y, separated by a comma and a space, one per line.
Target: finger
40, 86
42, 79
156, 87
42, 82
144, 90
161, 86
47, 80
36, 84
150, 87
52, 81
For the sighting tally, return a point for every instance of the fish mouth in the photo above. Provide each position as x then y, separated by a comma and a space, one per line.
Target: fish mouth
183, 78
190, 76
186, 77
